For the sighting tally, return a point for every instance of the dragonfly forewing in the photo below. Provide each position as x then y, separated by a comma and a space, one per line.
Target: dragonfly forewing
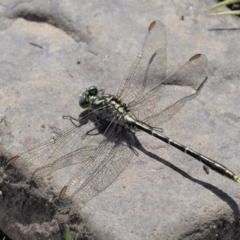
150, 65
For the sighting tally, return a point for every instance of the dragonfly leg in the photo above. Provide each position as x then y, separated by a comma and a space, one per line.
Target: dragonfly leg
72, 119
88, 133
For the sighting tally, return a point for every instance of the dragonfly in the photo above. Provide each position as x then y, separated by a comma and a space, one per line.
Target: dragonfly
100, 141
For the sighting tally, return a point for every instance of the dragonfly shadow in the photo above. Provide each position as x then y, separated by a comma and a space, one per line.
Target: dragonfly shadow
218, 192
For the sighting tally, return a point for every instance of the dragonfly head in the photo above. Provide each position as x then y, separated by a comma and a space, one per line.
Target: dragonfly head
85, 96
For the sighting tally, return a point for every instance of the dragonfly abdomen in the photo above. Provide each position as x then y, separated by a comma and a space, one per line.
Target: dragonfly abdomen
219, 168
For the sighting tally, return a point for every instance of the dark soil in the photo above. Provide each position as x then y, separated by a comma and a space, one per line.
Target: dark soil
36, 217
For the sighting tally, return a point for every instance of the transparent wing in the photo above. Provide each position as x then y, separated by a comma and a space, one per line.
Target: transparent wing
149, 67
109, 160
96, 166
82, 155
170, 95
98, 149
69, 141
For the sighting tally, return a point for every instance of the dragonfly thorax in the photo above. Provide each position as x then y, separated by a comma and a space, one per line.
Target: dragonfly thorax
106, 106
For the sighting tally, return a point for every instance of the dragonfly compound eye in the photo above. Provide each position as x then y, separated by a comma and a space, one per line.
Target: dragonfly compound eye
93, 91
83, 100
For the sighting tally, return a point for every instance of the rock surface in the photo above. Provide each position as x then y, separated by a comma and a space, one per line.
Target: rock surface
51, 51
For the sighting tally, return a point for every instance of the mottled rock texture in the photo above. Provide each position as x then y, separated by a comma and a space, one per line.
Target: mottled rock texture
51, 51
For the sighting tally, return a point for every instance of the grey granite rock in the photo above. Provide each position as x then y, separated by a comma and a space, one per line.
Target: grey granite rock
51, 51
